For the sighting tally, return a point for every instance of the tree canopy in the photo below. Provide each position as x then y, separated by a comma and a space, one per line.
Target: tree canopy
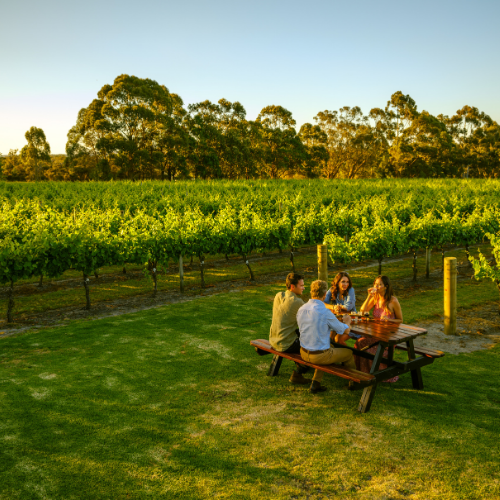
137, 129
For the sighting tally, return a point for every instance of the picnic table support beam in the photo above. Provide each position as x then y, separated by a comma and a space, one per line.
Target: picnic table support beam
275, 366
416, 373
450, 296
369, 392
322, 263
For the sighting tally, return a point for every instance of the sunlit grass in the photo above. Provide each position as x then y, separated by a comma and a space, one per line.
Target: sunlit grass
174, 403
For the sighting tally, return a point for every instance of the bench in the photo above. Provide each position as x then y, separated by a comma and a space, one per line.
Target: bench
429, 353
361, 378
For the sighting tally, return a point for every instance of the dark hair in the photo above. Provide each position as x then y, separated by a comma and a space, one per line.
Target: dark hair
388, 289
293, 279
335, 288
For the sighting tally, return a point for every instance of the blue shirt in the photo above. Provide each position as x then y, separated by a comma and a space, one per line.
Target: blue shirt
315, 322
349, 301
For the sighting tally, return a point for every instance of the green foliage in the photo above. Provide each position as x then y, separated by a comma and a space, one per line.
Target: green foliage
484, 268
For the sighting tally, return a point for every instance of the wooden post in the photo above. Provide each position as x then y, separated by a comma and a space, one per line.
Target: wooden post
427, 261
181, 273
450, 296
322, 263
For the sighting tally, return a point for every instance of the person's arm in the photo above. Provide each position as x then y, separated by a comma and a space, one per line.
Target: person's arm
350, 302
367, 304
338, 328
398, 313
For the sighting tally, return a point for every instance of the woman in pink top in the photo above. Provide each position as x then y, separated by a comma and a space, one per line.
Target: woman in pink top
386, 307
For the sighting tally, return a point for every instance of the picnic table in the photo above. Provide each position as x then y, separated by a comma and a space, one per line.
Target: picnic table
387, 335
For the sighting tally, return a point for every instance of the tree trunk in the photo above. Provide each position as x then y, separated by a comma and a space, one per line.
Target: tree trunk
469, 263
191, 263
442, 258
87, 291
124, 270
227, 258
428, 251
414, 266
181, 273
155, 278
96, 275
252, 277
292, 263
40, 282
380, 266
498, 286
202, 270
10, 302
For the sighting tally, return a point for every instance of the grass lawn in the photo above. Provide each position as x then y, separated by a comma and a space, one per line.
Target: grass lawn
174, 403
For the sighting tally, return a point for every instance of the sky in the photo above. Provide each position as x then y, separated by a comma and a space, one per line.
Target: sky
305, 56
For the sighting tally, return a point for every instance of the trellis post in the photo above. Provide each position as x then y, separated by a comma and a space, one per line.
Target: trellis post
322, 263
450, 296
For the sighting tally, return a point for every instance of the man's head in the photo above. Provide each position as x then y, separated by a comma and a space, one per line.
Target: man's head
295, 283
318, 289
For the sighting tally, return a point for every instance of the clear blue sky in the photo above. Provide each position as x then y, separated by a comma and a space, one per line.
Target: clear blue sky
306, 56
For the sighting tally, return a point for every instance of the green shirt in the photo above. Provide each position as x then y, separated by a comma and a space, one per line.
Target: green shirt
285, 307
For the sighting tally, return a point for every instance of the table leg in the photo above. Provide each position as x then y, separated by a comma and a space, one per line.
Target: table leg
369, 392
275, 366
416, 374
390, 355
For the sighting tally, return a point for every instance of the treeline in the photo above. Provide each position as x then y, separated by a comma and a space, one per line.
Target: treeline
137, 129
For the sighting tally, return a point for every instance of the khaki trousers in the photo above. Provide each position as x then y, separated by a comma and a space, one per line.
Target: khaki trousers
332, 355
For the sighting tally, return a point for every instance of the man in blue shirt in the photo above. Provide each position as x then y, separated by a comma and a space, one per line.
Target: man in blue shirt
315, 324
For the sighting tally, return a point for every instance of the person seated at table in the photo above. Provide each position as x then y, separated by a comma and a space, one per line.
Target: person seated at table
385, 307
317, 324
284, 332
341, 295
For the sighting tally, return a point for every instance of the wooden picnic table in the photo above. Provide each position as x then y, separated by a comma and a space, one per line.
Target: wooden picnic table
391, 336
387, 335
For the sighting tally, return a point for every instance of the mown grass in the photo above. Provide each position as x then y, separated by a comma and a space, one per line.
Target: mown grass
174, 403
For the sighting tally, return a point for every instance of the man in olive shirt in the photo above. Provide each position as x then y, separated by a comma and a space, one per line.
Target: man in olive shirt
284, 334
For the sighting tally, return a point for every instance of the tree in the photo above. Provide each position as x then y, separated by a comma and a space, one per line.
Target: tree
36, 154
478, 139
124, 129
281, 149
314, 140
13, 169
352, 143
174, 142
84, 160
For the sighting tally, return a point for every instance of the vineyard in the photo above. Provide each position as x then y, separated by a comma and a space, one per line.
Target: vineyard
47, 229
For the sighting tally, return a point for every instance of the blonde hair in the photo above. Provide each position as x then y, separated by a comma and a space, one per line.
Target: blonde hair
318, 289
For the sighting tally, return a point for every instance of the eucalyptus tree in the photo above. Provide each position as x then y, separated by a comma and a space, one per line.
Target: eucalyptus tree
83, 156
400, 110
124, 127
208, 140
314, 140
350, 144
13, 169
478, 139
174, 142
36, 154
281, 149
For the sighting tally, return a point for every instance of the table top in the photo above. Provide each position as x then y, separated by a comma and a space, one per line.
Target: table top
392, 333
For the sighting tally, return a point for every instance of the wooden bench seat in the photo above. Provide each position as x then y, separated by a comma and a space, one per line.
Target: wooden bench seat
430, 353
361, 378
